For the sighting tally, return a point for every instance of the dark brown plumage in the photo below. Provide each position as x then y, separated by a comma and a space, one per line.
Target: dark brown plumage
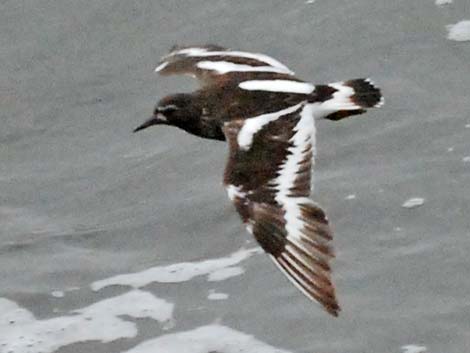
266, 115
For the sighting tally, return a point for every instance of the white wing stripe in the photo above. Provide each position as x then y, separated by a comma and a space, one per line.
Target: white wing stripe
223, 67
161, 66
188, 52
287, 86
234, 192
305, 133
252, 125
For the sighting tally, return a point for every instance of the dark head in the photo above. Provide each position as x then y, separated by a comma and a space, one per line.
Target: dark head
177, 110
185, 111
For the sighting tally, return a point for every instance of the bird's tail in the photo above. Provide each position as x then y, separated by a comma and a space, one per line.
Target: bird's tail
342, 99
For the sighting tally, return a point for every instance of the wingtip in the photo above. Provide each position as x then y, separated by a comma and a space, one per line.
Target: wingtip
334, 312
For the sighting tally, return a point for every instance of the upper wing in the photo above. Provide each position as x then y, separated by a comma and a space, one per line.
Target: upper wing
210, 63
268, 178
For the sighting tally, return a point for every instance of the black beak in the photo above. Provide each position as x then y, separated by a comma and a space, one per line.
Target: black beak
154, 120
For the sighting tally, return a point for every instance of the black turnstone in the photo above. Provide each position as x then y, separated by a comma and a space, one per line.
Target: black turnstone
267, 116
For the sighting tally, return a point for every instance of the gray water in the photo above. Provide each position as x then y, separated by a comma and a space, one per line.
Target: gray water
83, 199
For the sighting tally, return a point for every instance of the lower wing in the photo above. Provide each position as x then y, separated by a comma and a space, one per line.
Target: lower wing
268, 179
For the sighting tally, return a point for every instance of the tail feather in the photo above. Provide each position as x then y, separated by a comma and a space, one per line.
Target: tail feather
366, 93
342, 99
341, 114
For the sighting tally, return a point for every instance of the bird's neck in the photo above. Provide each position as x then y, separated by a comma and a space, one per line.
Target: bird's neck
209, 129
203, 124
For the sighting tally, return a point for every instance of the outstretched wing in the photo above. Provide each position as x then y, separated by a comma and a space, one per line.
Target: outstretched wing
210, 63
268, 178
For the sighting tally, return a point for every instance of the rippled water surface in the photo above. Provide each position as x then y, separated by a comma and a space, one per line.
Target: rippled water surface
115, 242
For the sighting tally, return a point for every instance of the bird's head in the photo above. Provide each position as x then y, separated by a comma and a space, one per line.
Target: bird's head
177, 110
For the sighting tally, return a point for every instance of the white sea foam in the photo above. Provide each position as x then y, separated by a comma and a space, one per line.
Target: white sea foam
225, 273
21, 332
459, 31
413, 202
466, 159
213, 295
443, 2
413, 348
211, 338
179, 272
58, 294
350, 197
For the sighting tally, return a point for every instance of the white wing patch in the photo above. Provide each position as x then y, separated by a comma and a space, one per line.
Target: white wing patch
223, 67
161, 66
305, 134
188, 52
252, 125
287, 86
234, 192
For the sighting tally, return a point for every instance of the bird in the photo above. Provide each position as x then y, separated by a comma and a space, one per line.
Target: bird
267, 116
